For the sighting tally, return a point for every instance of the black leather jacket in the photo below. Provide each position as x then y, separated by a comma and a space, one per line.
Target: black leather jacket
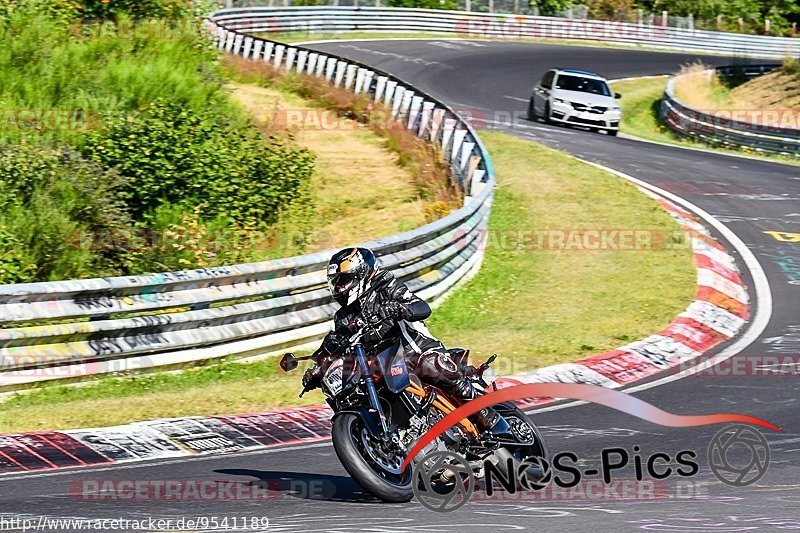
408, 330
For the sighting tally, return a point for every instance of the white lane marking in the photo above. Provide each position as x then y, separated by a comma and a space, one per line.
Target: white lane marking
517, 98
145, 463
763, 297
375, 39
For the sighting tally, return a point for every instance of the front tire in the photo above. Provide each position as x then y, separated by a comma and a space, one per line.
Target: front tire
532, 112
546, 116
523, 427
347, 441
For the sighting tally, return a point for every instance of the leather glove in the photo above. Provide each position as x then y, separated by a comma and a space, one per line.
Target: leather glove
392, 310
311, 378
335, 343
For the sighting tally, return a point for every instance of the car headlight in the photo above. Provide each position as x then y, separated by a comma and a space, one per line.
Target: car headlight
560, 101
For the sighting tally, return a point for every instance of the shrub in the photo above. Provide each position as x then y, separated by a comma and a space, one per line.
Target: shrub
791, 66
173, 155
16, 266
55, 205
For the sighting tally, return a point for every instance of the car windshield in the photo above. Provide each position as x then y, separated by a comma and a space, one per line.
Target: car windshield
582, 85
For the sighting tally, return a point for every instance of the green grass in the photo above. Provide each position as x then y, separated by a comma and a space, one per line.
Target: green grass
640, 102
538, 308
532, 307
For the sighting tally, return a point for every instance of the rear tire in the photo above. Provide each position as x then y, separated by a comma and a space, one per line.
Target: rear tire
345, 431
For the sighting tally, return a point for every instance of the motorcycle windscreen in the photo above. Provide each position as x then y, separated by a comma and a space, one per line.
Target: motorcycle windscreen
393, 367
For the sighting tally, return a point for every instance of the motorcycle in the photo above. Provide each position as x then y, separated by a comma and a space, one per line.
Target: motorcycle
381, 409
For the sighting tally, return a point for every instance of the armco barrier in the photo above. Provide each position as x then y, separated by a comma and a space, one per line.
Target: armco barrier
500, 26
719, 311
167, 319
723, 127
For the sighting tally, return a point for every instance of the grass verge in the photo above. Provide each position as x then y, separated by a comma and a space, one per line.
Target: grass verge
359, 189
640, 102
534, 307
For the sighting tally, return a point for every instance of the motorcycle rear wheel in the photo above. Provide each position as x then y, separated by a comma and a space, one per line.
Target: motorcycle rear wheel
348, 442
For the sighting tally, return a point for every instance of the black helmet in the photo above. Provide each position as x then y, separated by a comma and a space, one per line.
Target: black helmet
349, 273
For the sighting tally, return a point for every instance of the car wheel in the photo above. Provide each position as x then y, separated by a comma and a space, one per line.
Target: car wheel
613, 133
546, 115
532, 112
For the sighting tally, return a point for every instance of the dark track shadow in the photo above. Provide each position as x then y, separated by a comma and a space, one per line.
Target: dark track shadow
303, 485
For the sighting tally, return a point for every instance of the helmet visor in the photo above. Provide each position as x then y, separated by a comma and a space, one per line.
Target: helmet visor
341, 282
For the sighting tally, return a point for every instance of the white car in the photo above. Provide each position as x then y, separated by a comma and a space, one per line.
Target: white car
575, 97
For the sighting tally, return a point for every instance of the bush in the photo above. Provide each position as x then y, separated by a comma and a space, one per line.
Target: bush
791, 66
16, 266
54, 205
176, 239
173, 155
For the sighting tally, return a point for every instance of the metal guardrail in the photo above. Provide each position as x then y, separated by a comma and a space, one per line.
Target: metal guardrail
168, 319
723, 127
330, 19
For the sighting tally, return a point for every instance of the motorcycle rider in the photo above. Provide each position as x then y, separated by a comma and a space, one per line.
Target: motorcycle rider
370, 295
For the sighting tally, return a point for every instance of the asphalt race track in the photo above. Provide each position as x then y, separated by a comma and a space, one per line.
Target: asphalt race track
311, 490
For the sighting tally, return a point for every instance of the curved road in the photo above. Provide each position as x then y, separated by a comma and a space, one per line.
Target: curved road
313, 492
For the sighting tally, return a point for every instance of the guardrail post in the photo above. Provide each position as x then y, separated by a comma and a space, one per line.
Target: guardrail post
437, 119
360, 73
366, 85
391, 88
330, 68
413, 111
447, 134
397, 100
322, 61
406, 104
312, 63
425, 118
341, 66
279, 50
380, 86
302, 55
248, 45
290, 54
268, 48
350, 76
257, 45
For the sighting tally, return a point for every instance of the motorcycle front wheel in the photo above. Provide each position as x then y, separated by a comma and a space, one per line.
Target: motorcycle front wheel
376, 471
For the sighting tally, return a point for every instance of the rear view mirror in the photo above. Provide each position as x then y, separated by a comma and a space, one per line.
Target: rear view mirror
617, 95
288, 362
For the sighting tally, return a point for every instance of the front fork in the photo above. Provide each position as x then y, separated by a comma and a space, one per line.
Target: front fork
361, 358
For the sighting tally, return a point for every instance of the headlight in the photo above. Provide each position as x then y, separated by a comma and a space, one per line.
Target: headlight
560, 101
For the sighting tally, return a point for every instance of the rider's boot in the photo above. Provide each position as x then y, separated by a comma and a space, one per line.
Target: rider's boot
487, 419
